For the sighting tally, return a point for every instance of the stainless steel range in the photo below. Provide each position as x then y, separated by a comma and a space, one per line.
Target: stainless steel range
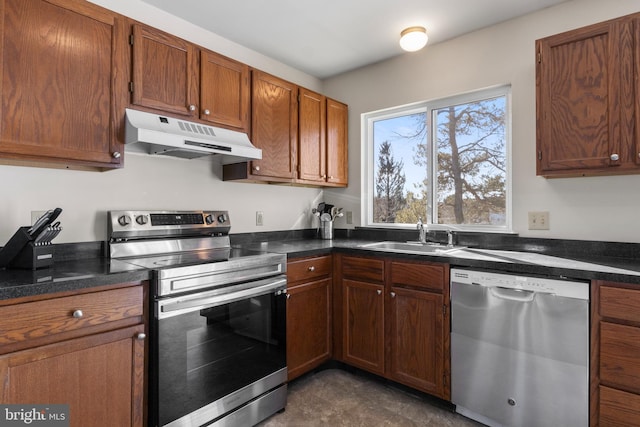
217, 318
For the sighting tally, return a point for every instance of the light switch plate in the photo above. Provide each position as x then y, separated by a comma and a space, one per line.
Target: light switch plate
259, 218
539, 220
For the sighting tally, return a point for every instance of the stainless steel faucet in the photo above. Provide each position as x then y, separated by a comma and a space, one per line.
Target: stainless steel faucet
422, 231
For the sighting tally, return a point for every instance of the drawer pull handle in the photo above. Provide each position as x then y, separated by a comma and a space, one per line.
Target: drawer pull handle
141, 336
78, 314
312, 268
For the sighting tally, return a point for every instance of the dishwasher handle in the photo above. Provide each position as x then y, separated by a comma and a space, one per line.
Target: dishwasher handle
510, 294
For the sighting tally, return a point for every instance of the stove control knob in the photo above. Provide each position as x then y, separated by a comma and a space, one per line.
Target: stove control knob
142, 219
208, 219
222, 218
124, 220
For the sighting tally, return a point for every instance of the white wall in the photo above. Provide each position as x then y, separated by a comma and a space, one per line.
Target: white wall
156, 183
594, 208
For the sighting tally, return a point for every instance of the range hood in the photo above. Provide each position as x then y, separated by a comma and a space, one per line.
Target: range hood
167, 136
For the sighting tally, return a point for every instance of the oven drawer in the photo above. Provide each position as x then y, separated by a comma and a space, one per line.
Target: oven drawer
307, 269
58, 317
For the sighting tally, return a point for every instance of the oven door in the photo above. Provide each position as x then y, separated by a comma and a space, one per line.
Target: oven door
216, 350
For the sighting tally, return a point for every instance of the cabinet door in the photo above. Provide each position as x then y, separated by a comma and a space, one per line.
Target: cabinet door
337, 143
274, 126
308, 326
225, 91
63, 82
312, 145
585, 113
165, 72
417, 339
363, 325
100, 377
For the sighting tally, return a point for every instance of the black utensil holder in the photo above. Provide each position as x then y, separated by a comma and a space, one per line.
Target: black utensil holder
21, 252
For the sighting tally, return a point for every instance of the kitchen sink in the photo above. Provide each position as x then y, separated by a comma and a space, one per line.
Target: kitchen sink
412, 247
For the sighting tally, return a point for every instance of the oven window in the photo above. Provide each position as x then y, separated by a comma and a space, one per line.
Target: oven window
207, 354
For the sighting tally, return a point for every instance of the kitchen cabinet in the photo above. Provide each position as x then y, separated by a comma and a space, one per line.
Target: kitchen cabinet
616, 355
588, 119
395, 320
309, 307
165, 72
63, 84
174, 76
84, 350
302, 134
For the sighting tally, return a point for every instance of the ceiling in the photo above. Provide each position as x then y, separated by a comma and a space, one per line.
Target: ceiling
327, 37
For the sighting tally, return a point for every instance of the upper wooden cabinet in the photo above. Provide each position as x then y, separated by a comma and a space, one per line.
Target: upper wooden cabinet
225, 91
165, 72
302, 134
177, 77
63, 83
588, 105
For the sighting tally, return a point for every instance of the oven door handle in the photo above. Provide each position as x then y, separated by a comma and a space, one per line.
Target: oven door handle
202, 300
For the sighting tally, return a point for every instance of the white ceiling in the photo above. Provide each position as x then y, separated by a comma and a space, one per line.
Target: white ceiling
327, 37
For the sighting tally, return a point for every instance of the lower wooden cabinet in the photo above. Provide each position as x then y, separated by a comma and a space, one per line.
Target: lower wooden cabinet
616, 355
86, 351
395, 320
308, 314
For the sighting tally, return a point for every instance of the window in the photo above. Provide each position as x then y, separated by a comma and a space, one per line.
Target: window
445, 162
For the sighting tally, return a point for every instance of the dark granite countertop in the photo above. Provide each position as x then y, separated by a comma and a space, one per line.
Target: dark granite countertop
94, 269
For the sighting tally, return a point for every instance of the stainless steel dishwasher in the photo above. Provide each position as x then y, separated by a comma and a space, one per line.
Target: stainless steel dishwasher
519, 349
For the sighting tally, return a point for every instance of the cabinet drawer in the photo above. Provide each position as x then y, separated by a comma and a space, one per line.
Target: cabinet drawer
47, 318
619, 408
308, 268
418, 275
364, 269
618, 303
620, 356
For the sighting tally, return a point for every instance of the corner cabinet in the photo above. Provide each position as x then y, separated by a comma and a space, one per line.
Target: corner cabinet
588, 104
302, 134
63, 84
83, 350
395, 320
308, 313
615, 385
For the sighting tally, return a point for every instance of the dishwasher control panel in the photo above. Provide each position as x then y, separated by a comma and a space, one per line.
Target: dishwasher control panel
564, 288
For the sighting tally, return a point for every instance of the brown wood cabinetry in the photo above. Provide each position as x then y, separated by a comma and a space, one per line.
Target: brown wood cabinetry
63, 84
86, 350
175, 76
302, 134
588, 114
394, 317
616, 355
308, 314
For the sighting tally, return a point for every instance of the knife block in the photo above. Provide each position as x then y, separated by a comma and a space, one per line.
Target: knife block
20, 252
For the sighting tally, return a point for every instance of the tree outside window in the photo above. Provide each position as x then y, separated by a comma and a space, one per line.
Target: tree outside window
450, 170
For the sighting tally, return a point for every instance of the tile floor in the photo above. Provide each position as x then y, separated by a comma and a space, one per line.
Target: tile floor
335, 397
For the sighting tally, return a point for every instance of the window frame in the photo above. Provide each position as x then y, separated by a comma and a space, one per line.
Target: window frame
430, 107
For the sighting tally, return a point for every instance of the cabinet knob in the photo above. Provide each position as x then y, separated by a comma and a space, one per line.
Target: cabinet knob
192, 107
206, 112
330, 177
312, 268
393, 294
288, 296
78, 314
256, 168
379, 292
141, 336
615, 157
116, 154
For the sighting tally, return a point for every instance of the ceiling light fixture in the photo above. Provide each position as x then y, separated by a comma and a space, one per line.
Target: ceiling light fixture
413, 38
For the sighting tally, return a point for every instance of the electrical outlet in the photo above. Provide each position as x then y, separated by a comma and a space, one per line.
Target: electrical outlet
538, 220
349, 217
259, 218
